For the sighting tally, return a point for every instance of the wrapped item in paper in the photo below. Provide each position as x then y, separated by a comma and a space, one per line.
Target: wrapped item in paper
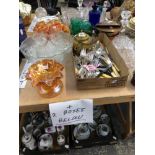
25, 12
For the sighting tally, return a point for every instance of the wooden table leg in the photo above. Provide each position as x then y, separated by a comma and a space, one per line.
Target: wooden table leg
21, 123
127, 121
121, 115
129, 131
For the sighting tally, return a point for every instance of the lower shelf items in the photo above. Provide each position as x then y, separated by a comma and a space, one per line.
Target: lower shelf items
100, 132
38, 136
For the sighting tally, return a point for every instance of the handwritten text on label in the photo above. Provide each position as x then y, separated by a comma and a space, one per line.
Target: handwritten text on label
71, 112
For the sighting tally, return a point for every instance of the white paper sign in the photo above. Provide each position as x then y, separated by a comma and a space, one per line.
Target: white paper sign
71, 112
22, 79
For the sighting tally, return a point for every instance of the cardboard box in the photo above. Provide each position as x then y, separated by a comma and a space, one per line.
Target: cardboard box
93, 83
94, 139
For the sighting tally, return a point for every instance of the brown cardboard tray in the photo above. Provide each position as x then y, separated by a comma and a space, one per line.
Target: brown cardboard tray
94, 83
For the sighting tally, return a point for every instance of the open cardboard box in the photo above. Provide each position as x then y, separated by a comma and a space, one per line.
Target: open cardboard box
93, 83
94, 139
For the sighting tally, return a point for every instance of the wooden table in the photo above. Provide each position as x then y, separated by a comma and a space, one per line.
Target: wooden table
30, 101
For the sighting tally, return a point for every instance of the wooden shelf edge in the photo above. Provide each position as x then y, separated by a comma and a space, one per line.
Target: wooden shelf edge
97, 101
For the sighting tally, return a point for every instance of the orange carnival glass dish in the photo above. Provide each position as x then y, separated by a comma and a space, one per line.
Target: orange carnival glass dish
51, 27
45, 76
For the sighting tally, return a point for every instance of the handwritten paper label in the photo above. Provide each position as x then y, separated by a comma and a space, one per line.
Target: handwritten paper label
22, 79
71, 112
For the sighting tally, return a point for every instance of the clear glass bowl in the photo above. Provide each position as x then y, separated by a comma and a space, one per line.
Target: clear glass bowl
40, 12
39, 46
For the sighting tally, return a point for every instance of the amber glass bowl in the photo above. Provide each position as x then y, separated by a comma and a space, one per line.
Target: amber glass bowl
45, 75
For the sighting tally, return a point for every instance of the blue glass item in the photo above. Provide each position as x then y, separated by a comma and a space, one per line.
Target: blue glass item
22, 32
94, 15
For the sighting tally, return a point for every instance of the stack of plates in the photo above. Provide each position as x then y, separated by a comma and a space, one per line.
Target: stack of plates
132, 23
130, 28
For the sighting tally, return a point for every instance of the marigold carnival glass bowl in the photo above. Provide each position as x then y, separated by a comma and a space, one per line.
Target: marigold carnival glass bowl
45, 75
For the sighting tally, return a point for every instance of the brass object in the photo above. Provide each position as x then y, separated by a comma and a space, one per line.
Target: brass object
81, 41
115, 13
126, 5
130, 5
115, 71
130, 28
81, 36
105, 76
111, 29
116, 67
131, 24
113, 74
